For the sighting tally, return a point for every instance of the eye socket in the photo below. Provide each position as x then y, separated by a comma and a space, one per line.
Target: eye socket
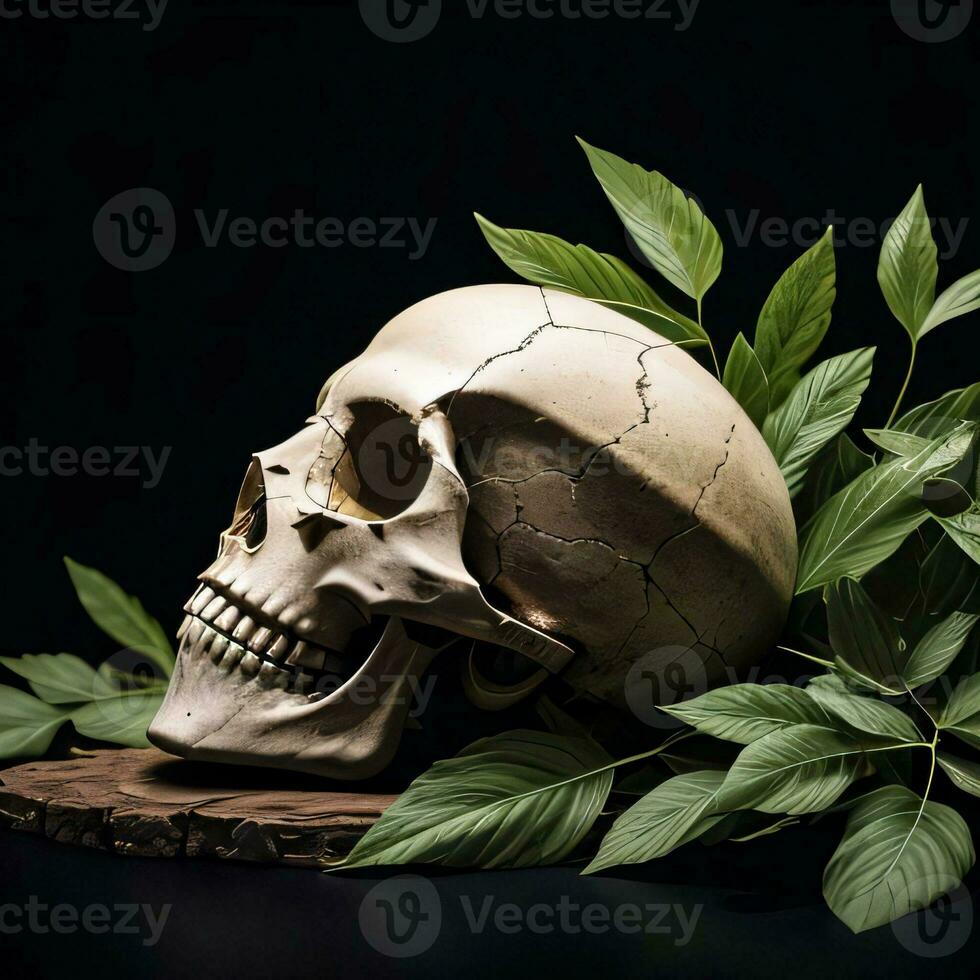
383, 468
250, 523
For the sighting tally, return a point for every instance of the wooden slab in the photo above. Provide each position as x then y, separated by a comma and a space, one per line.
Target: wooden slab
145, 803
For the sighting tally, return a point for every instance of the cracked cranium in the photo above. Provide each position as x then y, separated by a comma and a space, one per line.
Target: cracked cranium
514, 477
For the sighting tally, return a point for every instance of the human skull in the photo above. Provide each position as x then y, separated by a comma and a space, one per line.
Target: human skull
514, 467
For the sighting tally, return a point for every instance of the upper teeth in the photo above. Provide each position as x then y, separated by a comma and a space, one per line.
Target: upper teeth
200, 599
213, 625
213, 609
228, 620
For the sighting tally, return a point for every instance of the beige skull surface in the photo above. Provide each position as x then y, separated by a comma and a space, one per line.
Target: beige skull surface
506, 464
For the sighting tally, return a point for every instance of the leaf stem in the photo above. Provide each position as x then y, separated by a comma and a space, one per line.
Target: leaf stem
639, 757
770, 829
899, 745
920, 706
711, 346
925, 794
905, 384
932, 768
673, 740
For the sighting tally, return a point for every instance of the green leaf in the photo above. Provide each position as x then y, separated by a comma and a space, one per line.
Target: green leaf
964, 529
938, 417
668, 227
945, 498
800, 769
27, 724
864, 638
908, 266
752, 826
947, 580
61, 678
835, 466
938, 649
968, 662
819, 407
121, 615
549, 261
962, 711
123, 720
746, 712
898, 855
515, 800
965, 774
866, 522
674, 813
961, 298
796, 316
864, 713
746, 381
896, 442
894, 584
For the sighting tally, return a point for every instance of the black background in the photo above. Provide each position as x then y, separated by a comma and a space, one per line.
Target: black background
781, 109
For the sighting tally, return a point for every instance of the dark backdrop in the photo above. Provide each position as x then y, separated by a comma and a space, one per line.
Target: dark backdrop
767, 110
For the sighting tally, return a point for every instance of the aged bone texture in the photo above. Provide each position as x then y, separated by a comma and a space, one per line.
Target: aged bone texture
503, 469
142, 803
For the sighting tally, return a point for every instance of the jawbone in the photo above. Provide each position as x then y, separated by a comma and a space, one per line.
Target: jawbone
228, 704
